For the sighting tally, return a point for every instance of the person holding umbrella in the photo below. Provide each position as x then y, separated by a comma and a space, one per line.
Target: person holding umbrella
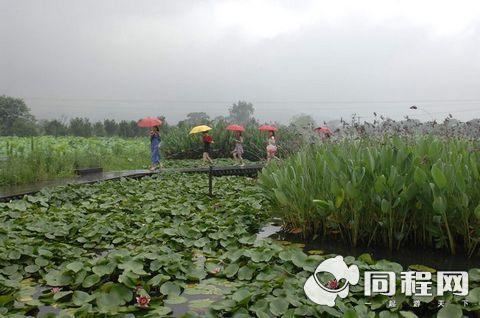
238, 150
324, 132
206, 139
155, 147
271, 142
154, 124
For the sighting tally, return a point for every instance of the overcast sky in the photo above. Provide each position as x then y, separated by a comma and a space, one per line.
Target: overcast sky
129, 59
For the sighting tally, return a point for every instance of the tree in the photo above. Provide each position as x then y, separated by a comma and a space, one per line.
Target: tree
54, 127
15, 117
124, 129
241, 112
110, 126
220, 119
98, 129
80, 127
135, 130
194, 119
303, 121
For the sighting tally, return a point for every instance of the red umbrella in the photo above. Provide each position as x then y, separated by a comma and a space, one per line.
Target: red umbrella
236, 128
149, 122
267, 128
324, 130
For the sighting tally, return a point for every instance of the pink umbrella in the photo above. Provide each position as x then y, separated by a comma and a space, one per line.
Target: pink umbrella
324, 130
235, 128
267, 128
149, 122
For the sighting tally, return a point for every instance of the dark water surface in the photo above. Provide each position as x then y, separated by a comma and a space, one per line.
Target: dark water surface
409, 255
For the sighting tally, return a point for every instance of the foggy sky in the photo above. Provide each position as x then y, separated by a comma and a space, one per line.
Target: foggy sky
129, 59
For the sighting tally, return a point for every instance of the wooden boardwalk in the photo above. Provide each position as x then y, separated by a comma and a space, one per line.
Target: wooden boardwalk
16, 192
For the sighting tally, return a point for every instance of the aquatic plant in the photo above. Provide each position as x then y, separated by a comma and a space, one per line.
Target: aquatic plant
165, 241
390, 191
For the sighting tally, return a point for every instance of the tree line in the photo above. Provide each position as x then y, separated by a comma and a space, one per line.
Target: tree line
17, 120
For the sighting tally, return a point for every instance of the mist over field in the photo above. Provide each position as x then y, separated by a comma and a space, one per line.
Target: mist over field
129, 59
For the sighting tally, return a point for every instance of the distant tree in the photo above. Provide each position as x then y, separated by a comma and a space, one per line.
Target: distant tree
194, 119
21, 127
110, 126
135, 130
198, 118
241, 112
220, 119
303, 121
123, 128
80, 127
98, 129
127, 129
15, 117
54, 127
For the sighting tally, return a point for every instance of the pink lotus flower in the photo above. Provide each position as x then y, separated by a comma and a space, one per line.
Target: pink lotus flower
143, 301
216, 270
332, 284
56, 290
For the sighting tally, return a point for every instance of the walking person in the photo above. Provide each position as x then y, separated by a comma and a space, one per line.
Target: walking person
207, 141
238, 150
155, 147
271, 147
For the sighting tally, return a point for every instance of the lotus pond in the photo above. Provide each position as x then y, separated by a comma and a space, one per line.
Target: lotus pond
160, 247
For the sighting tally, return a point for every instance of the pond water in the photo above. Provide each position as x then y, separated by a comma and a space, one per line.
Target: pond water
411, 255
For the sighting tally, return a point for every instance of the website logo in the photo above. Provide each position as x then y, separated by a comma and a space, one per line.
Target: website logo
332, 279
325, 293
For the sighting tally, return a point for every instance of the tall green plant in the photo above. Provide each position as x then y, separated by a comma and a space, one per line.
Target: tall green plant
389, 191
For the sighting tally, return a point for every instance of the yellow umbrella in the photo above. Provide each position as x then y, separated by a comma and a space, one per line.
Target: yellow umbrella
199, 129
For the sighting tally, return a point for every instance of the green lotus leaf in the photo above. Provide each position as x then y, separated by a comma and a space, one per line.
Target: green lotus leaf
75, 266
245, 272
62, 294
242, 296
158, 279
450, 311
231, 270
32, 268
170, 288
278, 306
175, 300
90, 280
104, 269
80, 298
